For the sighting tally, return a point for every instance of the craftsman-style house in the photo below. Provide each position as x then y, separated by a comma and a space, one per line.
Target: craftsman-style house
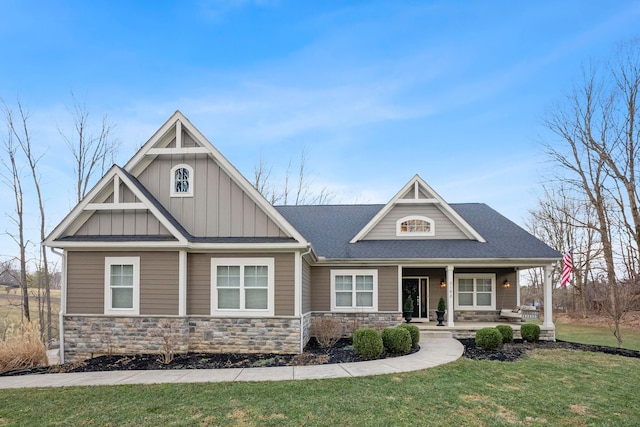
178, 244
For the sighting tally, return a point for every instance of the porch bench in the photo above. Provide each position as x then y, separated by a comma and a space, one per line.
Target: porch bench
515, 314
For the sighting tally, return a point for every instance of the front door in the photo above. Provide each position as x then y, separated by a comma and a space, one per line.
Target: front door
411, 287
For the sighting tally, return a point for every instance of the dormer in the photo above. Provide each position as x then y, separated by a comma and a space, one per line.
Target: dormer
417, 212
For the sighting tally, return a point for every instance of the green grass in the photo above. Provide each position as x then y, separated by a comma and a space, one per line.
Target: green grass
11, 309
550, 388
597, 334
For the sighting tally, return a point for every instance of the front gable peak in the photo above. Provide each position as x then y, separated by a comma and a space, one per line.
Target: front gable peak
416, 212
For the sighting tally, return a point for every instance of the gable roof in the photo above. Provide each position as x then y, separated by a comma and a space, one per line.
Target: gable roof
418, 192
166, 141
329, 228
158, 145
95, 200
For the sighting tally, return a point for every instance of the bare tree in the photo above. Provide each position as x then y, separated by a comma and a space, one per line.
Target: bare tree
599, 156
281, 193
93, 152
13, 180
19, 127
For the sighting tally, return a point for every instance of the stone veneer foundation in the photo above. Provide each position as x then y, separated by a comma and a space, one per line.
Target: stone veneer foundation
90, 336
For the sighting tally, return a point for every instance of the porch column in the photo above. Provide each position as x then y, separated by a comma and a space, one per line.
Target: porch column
450, 295
182, 283
548, 304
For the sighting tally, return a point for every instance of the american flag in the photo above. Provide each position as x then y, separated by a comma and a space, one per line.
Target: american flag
567, 268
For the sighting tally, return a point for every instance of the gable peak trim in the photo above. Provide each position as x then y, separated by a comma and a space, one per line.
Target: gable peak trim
414, 185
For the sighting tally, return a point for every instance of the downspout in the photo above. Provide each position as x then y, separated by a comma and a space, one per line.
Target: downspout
301, 297
63, 301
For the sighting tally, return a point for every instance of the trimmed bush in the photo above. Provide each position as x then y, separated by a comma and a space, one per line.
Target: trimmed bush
367, 343
488, 339
506, 332
327, 331
414, 332
530, 332
396, 340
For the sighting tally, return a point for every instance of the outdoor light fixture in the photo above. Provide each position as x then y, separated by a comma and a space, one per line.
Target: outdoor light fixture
443, 283
506, 284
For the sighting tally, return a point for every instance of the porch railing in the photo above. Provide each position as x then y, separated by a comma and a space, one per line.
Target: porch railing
530, 313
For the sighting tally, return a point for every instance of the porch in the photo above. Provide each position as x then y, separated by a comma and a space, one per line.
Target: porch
469, 329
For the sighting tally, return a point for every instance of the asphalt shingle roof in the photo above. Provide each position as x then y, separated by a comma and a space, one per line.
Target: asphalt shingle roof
329, 228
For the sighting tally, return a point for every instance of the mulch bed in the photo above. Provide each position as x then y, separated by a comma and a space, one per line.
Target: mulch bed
518, 349
342, 352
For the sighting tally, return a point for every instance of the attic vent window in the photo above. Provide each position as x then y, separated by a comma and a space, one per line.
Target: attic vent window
182, 181
415, 226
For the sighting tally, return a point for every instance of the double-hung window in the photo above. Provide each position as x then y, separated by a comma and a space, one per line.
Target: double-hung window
122, 285
475, 291
354, 290
242, 285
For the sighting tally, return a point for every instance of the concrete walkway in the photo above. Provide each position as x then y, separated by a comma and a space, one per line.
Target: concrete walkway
433, 352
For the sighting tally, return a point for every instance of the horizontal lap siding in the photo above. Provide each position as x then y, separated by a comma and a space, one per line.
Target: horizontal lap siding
85, 282
387, 287
158, 281
306, 287
199, 282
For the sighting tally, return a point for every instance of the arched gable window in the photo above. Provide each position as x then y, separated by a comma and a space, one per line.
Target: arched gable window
182, 181
415, 226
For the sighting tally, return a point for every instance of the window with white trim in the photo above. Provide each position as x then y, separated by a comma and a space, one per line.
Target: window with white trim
475, 291
182, 181
354, 290
242, 285
122, 285
415, 226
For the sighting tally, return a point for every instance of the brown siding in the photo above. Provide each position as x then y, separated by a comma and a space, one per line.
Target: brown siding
158, 281
198, 284
85, 282
199, 281
387, 287
444, 227
306, 287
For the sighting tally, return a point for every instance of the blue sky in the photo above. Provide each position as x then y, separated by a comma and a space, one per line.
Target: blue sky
375, 92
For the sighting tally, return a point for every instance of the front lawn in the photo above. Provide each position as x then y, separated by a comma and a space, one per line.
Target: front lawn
599, 334
550, 388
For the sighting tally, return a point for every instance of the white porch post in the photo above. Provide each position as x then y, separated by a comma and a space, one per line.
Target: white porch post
182, 283
450, 295
548, 304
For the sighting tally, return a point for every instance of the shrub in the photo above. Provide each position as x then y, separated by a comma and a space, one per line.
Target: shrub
488, 338
327, 331
396, 340
530, 332
441, 304
408, 304
22, 348
367, 343
506, 332
414, 332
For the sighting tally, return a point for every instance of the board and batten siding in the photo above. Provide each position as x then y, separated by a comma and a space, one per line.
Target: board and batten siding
218, 208
122, 223
199, 281
444, 227
387, 287
158, 282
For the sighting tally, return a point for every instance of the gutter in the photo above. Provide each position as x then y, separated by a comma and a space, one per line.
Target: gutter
63, 300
